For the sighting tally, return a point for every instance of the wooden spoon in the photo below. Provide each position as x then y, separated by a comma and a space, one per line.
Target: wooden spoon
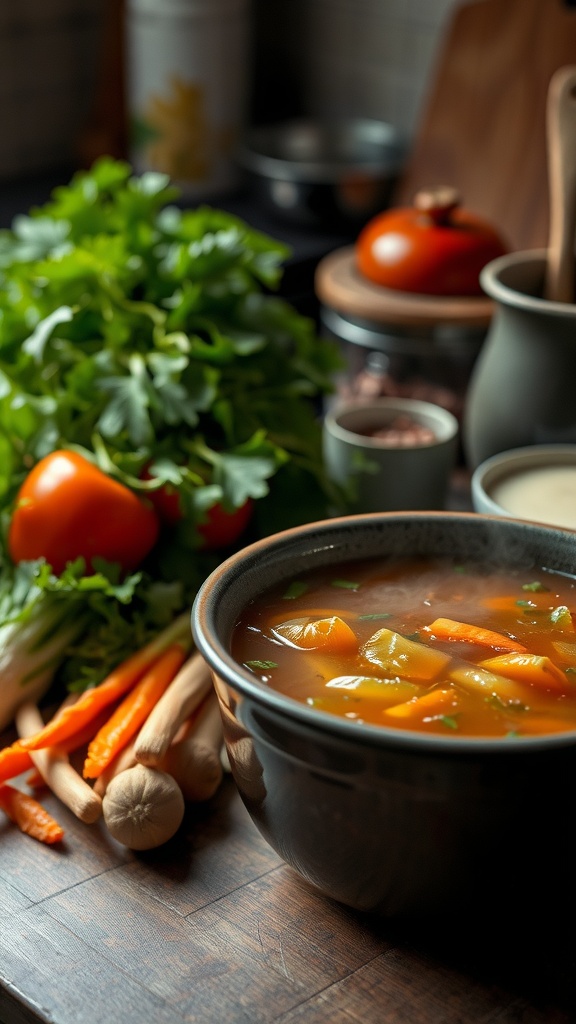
561, 139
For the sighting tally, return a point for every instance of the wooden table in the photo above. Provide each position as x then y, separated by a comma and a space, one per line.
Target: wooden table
213, 928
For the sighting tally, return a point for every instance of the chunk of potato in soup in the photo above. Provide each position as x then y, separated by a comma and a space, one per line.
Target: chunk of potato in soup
453, 649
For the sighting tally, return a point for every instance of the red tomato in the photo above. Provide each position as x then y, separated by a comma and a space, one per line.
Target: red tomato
433, 248
220, 529
165, 500
223, 528
67, 508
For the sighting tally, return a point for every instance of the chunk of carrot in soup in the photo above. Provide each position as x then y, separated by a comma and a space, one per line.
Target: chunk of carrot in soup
397, 655
465, 632
434, 704
332, 635
530, 669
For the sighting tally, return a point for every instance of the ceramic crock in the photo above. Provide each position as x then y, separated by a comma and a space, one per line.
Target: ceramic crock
522, 387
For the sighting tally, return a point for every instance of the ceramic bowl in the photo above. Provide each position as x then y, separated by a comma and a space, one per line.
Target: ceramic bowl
536, 483
385, 821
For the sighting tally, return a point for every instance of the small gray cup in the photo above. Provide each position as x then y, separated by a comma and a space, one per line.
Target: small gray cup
380, 477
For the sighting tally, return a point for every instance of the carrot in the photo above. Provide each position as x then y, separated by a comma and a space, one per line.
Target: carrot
132, 712
13, 761
185, 693
433, 703
449, 629
34, 780
530, 669
56, 770
332, 635
124, 759
29, 815
123, 678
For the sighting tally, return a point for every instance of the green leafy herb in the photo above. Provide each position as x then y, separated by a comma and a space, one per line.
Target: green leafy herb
345, 584
296, 589
449, 721
256, 663
535, 587
561, 616
148, 335
375, 615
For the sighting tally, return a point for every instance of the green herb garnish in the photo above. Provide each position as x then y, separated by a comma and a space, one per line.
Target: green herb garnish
449, 721
296, 589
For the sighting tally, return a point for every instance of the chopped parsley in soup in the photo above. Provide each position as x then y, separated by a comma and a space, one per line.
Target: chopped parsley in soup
428, 645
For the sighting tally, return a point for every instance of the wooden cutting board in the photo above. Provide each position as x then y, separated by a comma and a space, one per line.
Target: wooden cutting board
484, 127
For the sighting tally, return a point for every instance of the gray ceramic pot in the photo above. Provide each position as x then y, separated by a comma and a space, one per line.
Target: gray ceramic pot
398, 823
393, 478
522, 387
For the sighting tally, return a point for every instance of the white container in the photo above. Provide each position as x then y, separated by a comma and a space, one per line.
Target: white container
187, 89
537, 483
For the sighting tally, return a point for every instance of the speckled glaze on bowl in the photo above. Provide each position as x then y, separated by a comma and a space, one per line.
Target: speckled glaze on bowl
396, 823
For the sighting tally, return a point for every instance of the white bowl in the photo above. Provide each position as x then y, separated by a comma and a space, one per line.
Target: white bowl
536, 483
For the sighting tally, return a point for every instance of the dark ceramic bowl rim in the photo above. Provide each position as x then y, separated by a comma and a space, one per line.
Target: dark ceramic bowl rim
444, 422
256, 156
495, 288
219, 659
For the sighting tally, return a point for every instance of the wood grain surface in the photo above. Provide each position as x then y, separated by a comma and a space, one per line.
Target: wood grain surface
212, 928
483, 128
340, 286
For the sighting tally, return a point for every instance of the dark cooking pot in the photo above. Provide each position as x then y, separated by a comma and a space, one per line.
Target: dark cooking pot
333, 173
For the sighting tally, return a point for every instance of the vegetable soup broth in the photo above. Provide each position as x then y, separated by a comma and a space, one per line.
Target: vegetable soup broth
428, 645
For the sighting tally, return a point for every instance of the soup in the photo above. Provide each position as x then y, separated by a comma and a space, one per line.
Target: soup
430, 645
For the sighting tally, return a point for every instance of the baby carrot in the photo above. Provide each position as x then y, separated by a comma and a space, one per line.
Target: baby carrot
29, 815
133, 711
14, 760
449, 629
72, 719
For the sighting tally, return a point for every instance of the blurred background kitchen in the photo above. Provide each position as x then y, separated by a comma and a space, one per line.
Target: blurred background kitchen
179, 85
60, 69
67, 70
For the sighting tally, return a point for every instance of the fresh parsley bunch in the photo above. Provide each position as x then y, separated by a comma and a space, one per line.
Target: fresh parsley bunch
151, 337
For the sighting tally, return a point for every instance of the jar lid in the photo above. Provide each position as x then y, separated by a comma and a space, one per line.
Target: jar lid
338, 284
